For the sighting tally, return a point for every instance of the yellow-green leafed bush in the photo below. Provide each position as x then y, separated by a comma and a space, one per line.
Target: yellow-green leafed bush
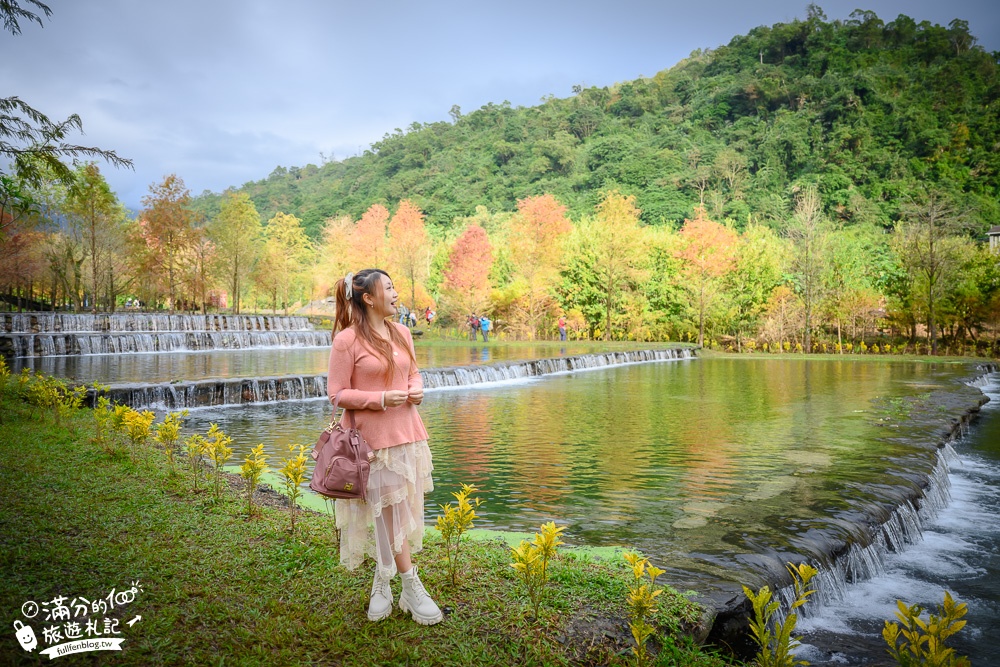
776, 644
105, 432
457, 519
219, 452
195, 447
118, 413
642, 594
915, 641
254, 466
168, 432
531, 561
137, 428
294, 474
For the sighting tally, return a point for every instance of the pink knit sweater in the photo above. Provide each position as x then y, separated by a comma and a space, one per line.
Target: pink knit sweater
360, 372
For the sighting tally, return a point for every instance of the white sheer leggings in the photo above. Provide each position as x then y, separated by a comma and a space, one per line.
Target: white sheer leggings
400, 476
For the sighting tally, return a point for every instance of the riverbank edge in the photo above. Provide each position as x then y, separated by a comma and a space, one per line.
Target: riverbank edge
79, 521
731, 622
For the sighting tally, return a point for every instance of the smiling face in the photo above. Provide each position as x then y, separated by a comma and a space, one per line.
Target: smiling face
383, 297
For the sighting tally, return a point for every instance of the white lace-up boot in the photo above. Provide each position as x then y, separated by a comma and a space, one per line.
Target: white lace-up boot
380, 604
415, 600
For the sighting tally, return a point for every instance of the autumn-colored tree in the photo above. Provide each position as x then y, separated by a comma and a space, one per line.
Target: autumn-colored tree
332, 254
783, 315
289, 250
266, 272
22, 262
367, 246
410, 248
16, 204
96, 212
708, 250
236, 232
21, 242
535, 240
201, 265
617, 245
167, 219
466, 285
65, 250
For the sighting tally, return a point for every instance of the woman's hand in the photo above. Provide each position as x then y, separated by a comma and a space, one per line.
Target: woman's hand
395, 398
416, 395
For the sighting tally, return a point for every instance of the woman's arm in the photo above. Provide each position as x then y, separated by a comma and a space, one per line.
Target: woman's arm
339, 379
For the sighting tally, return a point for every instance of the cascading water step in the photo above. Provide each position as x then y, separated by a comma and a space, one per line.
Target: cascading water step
54, 334
240, 391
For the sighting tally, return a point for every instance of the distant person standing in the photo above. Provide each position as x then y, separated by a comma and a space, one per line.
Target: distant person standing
428, 315
474, 325
562, 328
484, 325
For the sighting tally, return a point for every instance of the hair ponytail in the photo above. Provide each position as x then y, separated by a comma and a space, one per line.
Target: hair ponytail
344, 311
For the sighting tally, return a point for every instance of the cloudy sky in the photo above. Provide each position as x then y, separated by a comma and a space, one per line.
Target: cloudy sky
221, 92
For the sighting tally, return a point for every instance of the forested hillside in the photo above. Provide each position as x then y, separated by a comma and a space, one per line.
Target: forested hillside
864, 109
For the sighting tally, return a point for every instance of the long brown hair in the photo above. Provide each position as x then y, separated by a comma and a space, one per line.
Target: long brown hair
354, 312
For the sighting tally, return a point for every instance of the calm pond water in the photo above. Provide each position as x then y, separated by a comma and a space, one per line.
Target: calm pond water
252, 363
719, 469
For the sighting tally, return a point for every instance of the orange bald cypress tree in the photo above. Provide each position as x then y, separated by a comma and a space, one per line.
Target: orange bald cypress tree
708, 251
537, 233
168, 221
409, 248
466, 283
367, 249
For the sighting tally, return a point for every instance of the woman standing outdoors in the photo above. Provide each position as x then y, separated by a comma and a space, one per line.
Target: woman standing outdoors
373, 368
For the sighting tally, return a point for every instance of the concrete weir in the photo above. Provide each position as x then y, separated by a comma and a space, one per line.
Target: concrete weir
242, 391
58, 334
881, 529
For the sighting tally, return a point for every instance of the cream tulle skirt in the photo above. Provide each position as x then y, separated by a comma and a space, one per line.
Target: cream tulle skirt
400, 476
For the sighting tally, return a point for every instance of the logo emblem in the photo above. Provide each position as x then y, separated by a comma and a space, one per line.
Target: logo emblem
25, 636
348, 486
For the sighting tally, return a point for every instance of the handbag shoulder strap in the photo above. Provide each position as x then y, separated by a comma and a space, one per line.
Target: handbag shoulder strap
336, 404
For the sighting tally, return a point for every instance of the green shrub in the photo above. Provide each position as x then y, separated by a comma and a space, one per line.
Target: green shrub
642, 603
531, 561
254, 466
456, 520
294, 474
776, 645
219, 452
914, 641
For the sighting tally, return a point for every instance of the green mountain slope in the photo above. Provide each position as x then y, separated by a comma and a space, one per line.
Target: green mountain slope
868, 110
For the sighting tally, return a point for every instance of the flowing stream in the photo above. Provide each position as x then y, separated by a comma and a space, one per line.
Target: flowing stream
959, 551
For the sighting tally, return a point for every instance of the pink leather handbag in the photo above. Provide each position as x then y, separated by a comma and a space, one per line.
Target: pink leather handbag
342, 459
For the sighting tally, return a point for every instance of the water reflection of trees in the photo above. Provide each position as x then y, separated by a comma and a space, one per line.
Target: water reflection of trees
728, 447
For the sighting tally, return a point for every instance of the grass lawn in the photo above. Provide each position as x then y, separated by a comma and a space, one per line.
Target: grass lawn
214, 587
